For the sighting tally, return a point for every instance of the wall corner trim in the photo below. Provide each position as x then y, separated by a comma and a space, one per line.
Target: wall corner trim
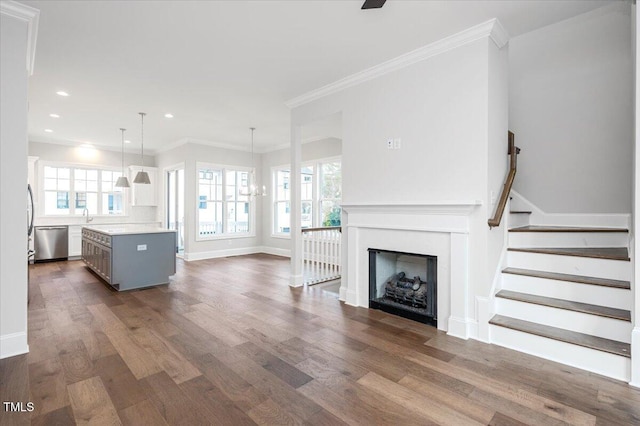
31, 16
498, 34
491, 28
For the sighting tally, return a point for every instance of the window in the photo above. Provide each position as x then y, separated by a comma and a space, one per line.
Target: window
330, 193
321, 194
223, 210
69, 190
281, 202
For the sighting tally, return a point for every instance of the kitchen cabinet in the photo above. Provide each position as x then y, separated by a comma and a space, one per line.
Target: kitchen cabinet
130, 256
144, 194
75, 240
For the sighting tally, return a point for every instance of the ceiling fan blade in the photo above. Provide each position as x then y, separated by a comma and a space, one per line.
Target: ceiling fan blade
373, 4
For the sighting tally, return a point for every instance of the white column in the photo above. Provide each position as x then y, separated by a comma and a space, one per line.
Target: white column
458, 321
17, 40
296, 214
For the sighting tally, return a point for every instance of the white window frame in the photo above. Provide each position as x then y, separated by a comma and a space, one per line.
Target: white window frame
316, 164
251, 233
72, 206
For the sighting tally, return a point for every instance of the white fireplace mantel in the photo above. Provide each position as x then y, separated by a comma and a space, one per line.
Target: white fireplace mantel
439, 229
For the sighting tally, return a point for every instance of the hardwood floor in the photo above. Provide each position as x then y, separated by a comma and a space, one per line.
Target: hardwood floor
228, 342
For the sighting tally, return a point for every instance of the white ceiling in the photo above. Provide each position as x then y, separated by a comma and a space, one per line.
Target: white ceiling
223, 66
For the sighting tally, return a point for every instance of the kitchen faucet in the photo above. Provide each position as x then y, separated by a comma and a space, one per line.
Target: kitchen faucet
86, 210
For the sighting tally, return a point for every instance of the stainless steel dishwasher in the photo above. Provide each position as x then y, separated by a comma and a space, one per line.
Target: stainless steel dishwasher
51, 243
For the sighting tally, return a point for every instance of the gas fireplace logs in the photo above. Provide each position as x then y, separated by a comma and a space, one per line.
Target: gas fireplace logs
405, 290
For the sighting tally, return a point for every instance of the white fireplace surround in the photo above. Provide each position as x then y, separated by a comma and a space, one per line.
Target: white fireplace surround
440, 230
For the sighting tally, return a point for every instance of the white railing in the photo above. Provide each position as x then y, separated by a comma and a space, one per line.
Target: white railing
206, 229
321, 254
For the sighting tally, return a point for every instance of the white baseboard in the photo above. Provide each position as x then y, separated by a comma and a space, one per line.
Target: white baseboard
275, 251
296, 281
214, 254
485, 309
343, 293
13, 344
459, 327
635, 357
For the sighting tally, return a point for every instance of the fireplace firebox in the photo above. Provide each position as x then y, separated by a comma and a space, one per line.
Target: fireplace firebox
404, 284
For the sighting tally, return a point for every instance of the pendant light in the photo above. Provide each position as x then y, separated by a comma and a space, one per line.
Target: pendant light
122, 181
253, 186
142, 176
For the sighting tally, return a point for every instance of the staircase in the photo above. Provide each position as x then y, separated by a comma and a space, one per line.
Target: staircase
566, 296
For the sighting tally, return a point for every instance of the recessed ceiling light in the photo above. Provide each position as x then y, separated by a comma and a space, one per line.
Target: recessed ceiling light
48, 130
168, 115
54, 115
62, 93
127, 141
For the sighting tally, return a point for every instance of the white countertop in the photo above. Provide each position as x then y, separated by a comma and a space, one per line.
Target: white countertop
125, 229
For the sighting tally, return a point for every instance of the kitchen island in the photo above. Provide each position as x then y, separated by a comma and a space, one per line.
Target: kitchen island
130, 256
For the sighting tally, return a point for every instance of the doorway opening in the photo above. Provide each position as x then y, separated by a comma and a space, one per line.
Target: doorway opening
174, 217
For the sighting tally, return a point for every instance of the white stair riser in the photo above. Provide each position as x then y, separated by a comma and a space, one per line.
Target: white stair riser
606, 364
518, 220
580, 322
574, 265
584, 293
568, 239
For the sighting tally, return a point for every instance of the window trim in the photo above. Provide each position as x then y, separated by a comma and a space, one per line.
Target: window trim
252, 203
316, 191
40, 208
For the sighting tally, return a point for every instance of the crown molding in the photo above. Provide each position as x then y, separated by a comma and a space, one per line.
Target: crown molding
203, 142
29, 15
492, 29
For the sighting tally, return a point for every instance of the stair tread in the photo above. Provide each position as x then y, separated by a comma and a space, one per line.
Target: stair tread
612, 253
604, 282
539, 228
573, 337
569, 305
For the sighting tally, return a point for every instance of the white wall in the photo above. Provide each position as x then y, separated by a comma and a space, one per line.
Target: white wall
190, 154
570, 107
47, 152
635, 337
324, 148
442, 111
13, 179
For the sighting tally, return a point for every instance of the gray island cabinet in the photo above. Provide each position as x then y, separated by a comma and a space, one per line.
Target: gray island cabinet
130, 256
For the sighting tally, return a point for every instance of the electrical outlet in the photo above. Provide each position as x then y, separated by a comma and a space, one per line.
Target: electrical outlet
142, 247
390, 143
397, 143
492, 196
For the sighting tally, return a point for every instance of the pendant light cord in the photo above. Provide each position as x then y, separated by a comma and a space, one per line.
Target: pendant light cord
122, 130
142, 114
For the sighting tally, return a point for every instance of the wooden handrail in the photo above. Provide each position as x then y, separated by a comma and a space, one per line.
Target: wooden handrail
323, 228
506, 189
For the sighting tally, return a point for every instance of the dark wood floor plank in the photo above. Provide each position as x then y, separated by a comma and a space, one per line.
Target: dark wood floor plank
60, 417
229, 342
171, 402
121, 385
91, 404
48, 386
142, 413
233, 386
13, 388
76, 362
286, 372
222, 410
442, 396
